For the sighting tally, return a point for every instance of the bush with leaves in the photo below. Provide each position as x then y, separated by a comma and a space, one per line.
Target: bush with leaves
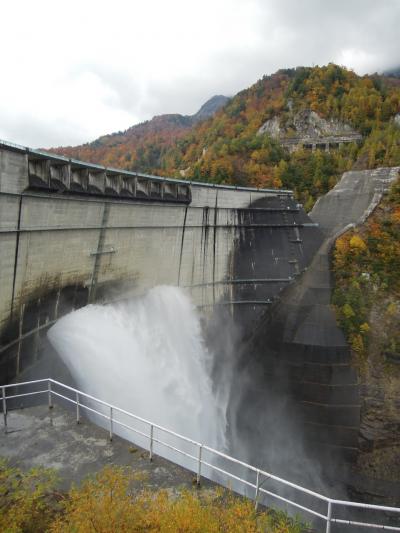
28, 502
110, 502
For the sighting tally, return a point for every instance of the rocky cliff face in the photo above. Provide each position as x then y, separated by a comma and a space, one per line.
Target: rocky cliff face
305, 125
377, 471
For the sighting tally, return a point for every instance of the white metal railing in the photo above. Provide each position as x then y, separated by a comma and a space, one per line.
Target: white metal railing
199, 460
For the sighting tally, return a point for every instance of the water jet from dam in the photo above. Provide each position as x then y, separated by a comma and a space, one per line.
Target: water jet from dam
147, 356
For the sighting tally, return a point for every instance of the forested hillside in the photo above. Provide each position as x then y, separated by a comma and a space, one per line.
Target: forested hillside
227, 147
142, 146
366, 266
137, 148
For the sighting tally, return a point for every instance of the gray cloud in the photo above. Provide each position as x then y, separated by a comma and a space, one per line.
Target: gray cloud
114, 66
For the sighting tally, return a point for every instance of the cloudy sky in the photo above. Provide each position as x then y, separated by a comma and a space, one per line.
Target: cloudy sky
73, 70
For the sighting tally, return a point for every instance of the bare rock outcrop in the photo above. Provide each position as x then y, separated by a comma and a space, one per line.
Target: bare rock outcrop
307, 129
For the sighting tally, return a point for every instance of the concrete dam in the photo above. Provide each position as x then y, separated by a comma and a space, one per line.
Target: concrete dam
73, 233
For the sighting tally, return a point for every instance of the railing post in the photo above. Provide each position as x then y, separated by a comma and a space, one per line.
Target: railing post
328, 518
111, 423
199, 465
257, 490
49, 394
3, 394
151, 442
78, 419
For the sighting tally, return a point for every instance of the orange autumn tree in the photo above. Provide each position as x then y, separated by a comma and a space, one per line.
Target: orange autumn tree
366, 264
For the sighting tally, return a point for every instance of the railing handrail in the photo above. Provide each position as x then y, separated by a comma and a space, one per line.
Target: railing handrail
178, 435
116, 408
330, 501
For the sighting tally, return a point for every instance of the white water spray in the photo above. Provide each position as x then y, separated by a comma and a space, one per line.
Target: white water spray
148, 357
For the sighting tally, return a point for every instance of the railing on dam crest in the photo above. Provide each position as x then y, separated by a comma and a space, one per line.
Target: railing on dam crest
252, 478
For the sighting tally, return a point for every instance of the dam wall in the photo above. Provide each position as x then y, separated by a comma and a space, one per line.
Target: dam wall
73, 233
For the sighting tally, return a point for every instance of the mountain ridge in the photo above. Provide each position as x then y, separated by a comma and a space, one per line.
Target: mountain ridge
227, 147
165, 127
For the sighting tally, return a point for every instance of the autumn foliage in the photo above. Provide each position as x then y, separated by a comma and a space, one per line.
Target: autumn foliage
28, 502
227, 149
110, 503
366, 264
